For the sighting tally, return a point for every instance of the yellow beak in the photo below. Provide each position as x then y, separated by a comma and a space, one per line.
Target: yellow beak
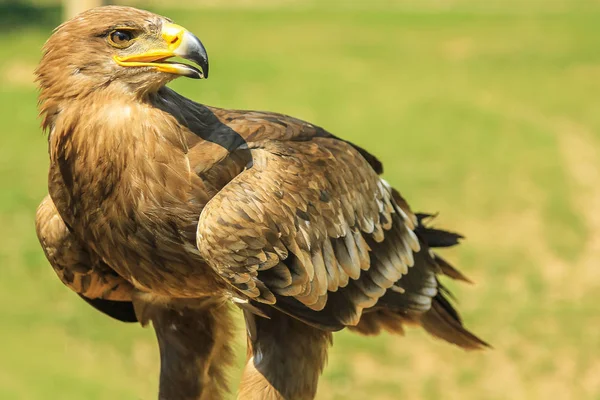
179, 42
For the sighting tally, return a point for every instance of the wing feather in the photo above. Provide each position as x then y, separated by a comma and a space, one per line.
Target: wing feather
78, 269
319, 223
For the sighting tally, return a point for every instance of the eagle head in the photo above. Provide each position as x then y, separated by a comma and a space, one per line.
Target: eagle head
119, 48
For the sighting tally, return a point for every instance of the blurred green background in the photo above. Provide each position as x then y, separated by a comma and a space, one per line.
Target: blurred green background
486, 111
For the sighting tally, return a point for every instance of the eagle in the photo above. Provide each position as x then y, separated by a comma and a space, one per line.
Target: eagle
164, 211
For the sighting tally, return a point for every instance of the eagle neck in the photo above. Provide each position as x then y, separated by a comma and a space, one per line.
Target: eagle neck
118, 152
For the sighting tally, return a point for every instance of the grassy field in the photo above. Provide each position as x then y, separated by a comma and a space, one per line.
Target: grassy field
490, 118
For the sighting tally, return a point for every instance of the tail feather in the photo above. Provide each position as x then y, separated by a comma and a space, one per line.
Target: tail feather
443, 322
436, 237
440, 238
395, 309
449, 271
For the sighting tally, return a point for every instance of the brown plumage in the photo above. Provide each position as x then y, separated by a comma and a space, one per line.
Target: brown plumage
165, 210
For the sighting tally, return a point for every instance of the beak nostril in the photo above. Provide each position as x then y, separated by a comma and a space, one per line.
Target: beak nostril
174, 40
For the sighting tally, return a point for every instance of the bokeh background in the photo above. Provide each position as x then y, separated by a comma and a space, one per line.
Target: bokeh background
487, 112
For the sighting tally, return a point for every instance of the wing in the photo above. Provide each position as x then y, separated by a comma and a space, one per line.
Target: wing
300, 221
310, 229
92, 279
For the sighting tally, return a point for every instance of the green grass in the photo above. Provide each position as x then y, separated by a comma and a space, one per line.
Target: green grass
490, 118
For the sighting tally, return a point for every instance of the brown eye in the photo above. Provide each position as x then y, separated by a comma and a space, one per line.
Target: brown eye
121, 38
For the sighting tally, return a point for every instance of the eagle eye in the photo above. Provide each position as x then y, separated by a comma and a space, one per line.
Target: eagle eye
121, 38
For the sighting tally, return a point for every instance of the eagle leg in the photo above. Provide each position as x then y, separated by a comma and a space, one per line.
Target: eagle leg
195, 349
285, 358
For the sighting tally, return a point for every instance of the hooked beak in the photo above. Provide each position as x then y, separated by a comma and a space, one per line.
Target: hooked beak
179, 43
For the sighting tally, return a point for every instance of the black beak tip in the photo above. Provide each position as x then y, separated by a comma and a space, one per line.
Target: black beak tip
200, 57
205, 70
194, 51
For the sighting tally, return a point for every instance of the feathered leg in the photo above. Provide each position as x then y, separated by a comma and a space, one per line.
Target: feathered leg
285, 358
195, 348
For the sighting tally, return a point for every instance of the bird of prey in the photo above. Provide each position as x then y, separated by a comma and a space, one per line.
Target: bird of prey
166, 211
